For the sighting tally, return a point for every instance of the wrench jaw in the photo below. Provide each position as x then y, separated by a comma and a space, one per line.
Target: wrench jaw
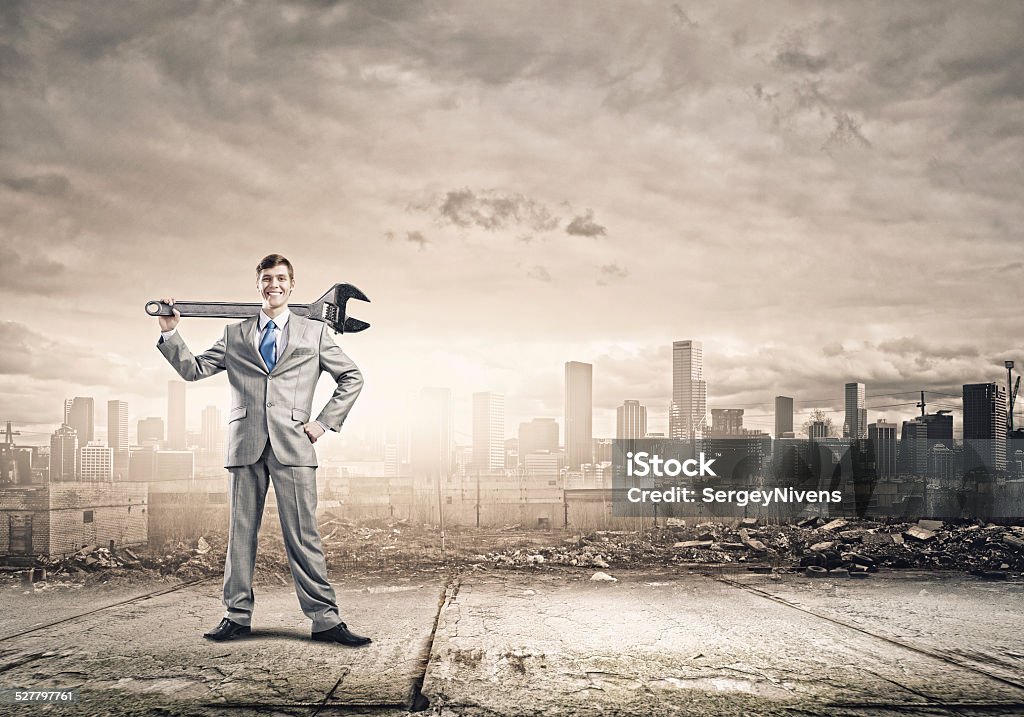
331, 307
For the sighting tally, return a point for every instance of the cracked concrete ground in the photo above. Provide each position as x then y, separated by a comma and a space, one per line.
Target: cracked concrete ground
517, 642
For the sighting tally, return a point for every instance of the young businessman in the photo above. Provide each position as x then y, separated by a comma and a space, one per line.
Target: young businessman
273, 362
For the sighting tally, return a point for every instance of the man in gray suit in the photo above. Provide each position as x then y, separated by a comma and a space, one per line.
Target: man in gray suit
273, 362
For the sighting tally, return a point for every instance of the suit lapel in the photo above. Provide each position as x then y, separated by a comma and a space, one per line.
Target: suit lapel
296, 331
249, 328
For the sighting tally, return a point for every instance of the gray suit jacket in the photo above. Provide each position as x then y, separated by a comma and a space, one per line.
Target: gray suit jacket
272, 407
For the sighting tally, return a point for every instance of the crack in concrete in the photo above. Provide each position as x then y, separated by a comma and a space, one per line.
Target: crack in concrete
418, 702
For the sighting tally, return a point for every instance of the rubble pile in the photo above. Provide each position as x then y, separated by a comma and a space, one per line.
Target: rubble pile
813, 546
852, 547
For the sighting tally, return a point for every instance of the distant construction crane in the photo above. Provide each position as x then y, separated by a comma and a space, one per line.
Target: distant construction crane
1011, 392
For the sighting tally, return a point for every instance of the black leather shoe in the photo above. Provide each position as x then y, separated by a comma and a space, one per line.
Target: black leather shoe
340, 633
227, 630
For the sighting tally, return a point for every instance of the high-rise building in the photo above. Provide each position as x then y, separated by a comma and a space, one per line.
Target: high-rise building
688, 410
630, 420
727, 421
579, 429
150, 431
96, 463
433, 448
984, 426
489, 431
176, 415
784, 417
913, 448
82, 417
210, 430
882, 435
856, 425
540, 434
64, 454
117, 437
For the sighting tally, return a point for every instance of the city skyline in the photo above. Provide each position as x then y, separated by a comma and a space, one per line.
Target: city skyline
854, 395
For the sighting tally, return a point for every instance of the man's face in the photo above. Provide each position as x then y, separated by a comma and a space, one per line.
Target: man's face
275, 286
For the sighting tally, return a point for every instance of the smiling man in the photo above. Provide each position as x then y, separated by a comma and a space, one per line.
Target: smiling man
273, 362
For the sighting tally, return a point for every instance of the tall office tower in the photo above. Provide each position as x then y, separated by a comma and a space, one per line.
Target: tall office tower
984, 426
82, 417
727, 421
96, 462
817, 429
882, 435
64, 454
68, 403
176, 415
117, 437
433, 450
630, 420
210, 430
940, 428
856, 425
150, 431
783, 417
579, 427
688, 411
489, 431
913, 448
117, 425
540, 434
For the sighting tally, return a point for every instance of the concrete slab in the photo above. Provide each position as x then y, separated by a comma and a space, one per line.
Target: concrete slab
516, 644
964, 618
149, 655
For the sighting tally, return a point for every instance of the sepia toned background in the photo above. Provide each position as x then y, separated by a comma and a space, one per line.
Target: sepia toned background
820, 194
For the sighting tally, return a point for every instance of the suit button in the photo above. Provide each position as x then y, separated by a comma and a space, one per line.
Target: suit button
269, 404
269, 378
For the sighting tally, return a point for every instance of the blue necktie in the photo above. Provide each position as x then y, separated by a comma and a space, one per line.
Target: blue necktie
268, 346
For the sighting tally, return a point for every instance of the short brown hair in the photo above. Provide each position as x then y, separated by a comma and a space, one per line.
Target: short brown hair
272, 260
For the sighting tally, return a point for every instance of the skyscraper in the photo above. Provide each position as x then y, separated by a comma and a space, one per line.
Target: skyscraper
82, 417
433, 450
984, 426
856, 425
882, 435
176, 415
630, 420
579, 430
210, 430
64, 454
540, 434
783, 417
488, 431
117, 437
150, 431
96, 463
688, 411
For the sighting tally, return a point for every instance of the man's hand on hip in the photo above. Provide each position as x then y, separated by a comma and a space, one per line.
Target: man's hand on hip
313, 430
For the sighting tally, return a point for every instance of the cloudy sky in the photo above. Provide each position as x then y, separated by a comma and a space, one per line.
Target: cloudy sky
819, 193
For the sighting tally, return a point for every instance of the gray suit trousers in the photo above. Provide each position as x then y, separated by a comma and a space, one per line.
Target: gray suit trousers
295, 489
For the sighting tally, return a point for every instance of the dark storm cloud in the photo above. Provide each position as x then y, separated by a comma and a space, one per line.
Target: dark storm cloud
56, 185
34, 274
585, 226
491, 210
